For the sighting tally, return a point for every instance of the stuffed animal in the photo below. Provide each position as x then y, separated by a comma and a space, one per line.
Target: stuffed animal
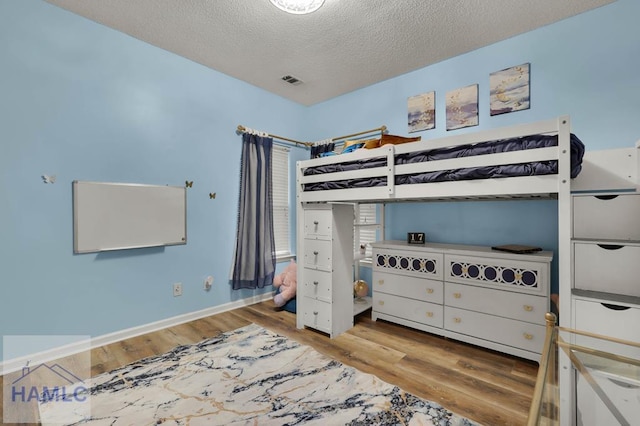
288, 280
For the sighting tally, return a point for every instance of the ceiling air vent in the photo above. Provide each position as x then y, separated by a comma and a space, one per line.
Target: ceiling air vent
292, 80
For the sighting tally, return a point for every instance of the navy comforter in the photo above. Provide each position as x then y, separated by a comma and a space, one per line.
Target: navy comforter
506, 145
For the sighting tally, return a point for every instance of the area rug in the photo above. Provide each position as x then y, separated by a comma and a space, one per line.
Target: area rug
247, 376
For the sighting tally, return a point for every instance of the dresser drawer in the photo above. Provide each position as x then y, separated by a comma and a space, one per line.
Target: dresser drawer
607, 319
518, 306
317, 254
515, 275
623, 392
317, 223
423, 264
317, 284
317, 314
518, 334
410, 309
412, 287
603, 217
607, 268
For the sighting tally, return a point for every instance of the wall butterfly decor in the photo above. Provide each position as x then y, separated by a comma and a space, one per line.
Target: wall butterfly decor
188, 183
212, 195
49, 179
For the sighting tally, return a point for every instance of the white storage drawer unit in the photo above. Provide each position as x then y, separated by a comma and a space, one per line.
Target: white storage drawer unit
605, 298
609, 268
481, 296
607, 216
325, 275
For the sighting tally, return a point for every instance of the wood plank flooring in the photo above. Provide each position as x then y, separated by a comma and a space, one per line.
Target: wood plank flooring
486, 386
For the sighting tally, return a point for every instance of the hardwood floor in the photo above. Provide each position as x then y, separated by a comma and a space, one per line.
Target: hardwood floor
486, 386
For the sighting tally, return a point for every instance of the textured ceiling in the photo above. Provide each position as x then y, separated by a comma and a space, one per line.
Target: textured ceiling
346, 45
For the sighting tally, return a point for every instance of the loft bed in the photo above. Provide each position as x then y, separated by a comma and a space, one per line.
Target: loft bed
545, 158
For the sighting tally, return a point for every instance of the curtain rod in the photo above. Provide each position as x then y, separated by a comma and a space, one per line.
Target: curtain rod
243, 129
380, 129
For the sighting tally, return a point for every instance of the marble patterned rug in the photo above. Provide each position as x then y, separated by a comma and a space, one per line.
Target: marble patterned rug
249, 376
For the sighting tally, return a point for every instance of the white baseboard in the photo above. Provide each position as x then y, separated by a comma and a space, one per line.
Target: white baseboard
12, 365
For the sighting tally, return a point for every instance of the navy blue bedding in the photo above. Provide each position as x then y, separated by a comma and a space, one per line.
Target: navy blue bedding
509, 170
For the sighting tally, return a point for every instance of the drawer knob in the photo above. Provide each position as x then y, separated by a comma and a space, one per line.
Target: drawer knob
315, 222
315, 312
457, 320
380, 282
457, 295
315, 253
430, 314
528, 308
430, 290
315, 283
381, 302
528, 336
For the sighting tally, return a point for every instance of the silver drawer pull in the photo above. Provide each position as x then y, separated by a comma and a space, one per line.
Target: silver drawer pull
315, 283
315, 222
430, 290
528, 336
430, 314
528, 308
315, 253
315, 312
457, 295
457, 320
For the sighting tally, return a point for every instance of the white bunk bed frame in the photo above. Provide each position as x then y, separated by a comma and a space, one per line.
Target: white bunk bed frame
521, 187
513, 187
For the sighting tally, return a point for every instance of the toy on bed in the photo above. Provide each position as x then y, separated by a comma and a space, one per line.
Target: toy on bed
287, 282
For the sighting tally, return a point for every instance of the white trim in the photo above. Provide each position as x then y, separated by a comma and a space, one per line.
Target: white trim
15, 364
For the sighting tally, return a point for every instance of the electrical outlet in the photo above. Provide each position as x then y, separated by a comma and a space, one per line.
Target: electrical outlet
208, 282
177, 289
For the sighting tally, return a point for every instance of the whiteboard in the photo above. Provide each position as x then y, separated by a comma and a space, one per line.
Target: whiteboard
116, 216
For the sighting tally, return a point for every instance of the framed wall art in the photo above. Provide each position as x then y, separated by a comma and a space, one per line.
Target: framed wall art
509, 90
462, 107
421, 112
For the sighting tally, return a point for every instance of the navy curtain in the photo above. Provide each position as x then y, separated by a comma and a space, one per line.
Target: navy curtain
320, 148
254, 260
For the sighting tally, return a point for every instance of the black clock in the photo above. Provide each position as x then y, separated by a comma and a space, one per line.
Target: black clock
416, 238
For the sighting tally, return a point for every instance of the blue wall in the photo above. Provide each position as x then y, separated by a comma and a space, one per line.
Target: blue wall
81, 101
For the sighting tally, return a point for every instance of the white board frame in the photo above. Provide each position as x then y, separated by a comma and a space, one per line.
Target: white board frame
117, 216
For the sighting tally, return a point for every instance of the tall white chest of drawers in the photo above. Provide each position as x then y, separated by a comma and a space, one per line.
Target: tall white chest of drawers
474, 294
605, 296
325, 275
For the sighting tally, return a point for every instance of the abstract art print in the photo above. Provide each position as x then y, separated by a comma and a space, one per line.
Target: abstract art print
462, 107
422, 112
509, 89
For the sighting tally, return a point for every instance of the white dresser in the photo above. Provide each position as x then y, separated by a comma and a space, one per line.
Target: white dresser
325, 275
606, 293
475, 294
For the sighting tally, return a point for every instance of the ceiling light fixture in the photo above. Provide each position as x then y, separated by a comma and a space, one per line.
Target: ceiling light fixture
298, 7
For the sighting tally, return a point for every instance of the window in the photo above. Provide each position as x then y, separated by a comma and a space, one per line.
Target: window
280, 194
368, 227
